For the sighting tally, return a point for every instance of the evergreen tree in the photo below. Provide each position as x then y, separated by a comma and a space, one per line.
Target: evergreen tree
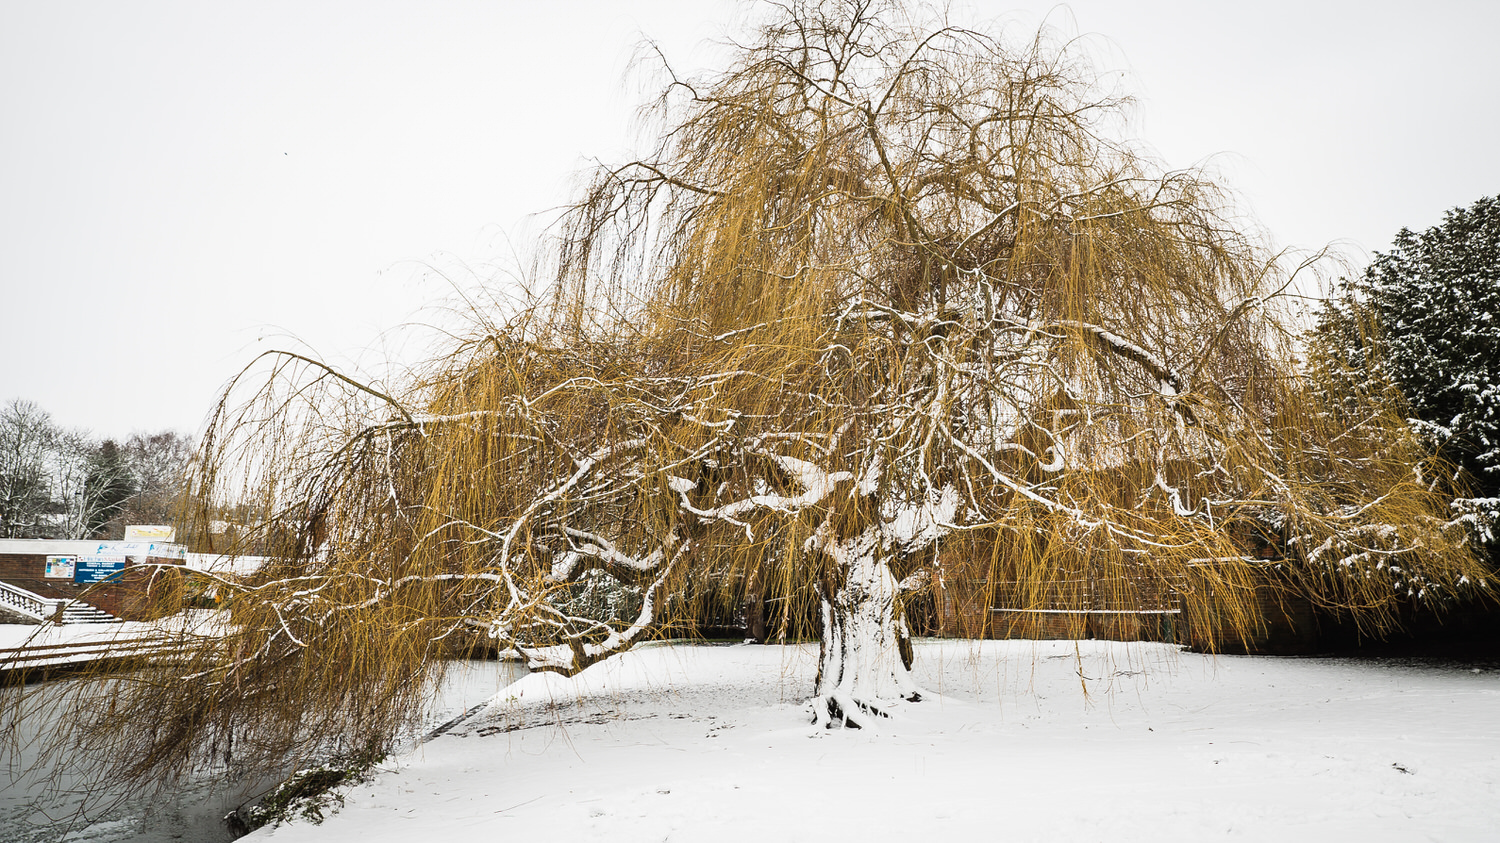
1424, 318
108, 486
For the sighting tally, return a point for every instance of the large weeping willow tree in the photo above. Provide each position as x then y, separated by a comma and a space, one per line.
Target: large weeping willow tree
879, 294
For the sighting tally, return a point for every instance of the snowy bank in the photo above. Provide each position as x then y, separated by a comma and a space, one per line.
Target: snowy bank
1024, 741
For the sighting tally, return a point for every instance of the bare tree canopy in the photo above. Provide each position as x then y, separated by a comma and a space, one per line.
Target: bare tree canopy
60, 483
158, 464
883, 294
27, 438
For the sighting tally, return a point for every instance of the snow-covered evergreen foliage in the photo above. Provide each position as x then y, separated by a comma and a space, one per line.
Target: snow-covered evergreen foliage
1424, 321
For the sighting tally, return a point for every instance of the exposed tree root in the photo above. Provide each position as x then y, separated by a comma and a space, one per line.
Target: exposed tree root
840, 709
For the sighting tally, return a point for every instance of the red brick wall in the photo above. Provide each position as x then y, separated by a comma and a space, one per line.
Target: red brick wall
963, 608
1288, 625
133, 597
24, 565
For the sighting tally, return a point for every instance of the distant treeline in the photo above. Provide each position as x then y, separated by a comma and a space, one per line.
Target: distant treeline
66, 483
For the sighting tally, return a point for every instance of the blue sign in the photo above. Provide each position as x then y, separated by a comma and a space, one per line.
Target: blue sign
89, 569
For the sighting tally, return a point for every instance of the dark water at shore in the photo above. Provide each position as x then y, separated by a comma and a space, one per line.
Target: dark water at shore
31, 812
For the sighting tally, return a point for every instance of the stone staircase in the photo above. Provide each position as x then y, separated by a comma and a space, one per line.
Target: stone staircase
27, 606
79, 612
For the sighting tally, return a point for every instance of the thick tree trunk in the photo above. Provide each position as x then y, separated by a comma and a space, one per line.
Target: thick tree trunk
865, 661
755, 607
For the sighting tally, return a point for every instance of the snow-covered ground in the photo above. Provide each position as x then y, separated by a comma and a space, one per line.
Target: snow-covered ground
1022, 741
51, 645
28, 635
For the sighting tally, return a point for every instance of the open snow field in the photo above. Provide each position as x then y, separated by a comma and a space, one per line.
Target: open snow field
1022, 741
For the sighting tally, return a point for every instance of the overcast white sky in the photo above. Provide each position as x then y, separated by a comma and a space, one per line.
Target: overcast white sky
185, 184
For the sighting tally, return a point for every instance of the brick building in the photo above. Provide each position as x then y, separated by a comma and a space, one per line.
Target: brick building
123, 579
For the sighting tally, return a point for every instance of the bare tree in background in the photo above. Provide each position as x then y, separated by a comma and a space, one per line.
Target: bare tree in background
159, 464
50, 486
88, 482
882, 292
61, 483
26, 439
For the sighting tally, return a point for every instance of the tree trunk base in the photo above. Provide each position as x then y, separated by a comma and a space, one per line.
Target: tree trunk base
864, 667
843, 710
